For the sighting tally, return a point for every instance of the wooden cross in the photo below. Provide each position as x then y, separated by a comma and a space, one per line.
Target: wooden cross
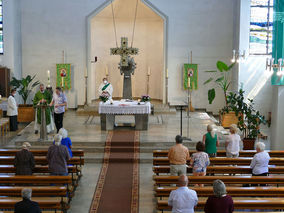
124, 51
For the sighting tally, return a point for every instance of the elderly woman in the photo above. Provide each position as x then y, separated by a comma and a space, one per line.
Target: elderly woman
26, 205
260, 161
220, 202
24, 160
211, 142
232, 143
66, 141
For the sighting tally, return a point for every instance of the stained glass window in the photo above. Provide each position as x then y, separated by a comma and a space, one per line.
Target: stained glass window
261, 23
1, 28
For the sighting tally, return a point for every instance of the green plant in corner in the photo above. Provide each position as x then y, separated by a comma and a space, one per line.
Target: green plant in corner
24, 86
222, 80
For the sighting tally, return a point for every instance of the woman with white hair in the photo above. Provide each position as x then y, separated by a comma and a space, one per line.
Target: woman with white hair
66, 141
220, 202
27, 205
260, 161
210, 139
24, 160
232, 143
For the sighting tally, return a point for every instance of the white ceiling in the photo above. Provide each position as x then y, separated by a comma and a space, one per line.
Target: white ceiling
126, 9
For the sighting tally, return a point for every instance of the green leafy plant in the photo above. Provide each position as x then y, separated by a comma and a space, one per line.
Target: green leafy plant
24, 86
249, 118
222, 80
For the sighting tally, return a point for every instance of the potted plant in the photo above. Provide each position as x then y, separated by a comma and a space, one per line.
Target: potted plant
24, 87
222, 80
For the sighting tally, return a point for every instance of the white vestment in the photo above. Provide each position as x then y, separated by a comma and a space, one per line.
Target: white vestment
109, 89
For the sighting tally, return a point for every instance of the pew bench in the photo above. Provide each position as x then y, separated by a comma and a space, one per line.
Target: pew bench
232, 191
243, 161
4, 126
167, 180
221, 170
37, 191
239, 203
222, 153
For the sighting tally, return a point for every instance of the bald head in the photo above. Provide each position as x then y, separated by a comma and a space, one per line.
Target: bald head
183, 180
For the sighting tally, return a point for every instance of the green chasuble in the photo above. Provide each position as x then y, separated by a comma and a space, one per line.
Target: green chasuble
48, 97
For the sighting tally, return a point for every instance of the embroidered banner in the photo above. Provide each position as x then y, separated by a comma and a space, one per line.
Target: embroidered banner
190, 71
63, 73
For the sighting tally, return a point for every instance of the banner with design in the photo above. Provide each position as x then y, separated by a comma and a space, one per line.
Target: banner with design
190, 71
63, 76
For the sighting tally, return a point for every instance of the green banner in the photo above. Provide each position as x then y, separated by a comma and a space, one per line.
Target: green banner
63, 76
190, 71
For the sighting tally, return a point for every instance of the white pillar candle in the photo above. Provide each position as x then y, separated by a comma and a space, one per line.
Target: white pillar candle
149, 71
167, 73
106, 71
86, 72
48, 78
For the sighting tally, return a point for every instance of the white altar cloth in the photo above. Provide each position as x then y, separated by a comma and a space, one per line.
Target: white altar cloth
123, 107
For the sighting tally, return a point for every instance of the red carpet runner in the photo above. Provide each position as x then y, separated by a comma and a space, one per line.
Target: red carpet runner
118, 185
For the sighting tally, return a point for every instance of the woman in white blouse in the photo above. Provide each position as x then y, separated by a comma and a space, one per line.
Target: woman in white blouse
12, 111
260, 161
233, 143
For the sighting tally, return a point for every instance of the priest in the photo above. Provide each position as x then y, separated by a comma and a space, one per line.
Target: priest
43, 96
106, 88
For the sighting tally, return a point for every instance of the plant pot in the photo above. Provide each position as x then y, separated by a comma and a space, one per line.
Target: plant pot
26, 113
227, 119
248, 143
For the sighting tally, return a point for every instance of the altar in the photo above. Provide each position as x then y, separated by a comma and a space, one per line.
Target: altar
140, 110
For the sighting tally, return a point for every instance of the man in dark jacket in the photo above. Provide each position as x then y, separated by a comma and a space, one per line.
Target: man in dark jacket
57, 157
24, 160
26, 205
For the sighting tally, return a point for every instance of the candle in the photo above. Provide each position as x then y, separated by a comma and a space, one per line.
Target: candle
167, 73
188, 82
106, 71
48, 78
149, 71
86, 72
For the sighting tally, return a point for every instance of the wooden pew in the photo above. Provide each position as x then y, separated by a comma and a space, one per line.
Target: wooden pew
12, 152
37, 191
48, 203
224, 161
222, 153
9, 160
8, 180
38, 169
221, 170
167, 180
232, 191
239, 203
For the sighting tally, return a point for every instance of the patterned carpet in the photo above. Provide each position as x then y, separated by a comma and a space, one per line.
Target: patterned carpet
118, 185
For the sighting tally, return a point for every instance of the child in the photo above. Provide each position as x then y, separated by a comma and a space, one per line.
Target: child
199, 161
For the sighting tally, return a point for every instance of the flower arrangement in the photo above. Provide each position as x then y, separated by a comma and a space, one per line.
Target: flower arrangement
145, 98
104, 97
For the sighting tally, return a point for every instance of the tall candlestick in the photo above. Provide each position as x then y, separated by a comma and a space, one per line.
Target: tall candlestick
149, 71
167, 73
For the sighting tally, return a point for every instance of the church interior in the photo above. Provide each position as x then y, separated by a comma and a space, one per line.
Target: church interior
117, 106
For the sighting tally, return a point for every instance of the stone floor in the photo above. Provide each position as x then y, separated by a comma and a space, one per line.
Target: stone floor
88, 136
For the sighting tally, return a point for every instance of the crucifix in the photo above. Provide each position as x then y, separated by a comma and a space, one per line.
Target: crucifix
126, 65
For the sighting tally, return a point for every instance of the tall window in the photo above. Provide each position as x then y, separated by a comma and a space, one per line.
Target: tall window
1, 28
261, 23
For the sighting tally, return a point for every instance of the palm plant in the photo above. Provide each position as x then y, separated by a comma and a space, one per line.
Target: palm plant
222, 80
24, 86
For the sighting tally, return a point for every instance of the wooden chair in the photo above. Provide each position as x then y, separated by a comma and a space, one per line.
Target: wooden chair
4, 125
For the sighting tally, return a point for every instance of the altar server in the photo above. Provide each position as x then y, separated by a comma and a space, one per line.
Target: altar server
106, 88
12, 111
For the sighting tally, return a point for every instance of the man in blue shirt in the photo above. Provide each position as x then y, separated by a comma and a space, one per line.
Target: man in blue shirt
60, 102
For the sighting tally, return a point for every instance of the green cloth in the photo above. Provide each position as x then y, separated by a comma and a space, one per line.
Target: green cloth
210, 143
105, 86
48, 97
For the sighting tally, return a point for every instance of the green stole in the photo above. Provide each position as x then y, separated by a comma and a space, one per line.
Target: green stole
105, 86
48, 97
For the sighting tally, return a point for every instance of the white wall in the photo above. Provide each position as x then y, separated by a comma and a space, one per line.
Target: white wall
205, 27
12, 37
252, 76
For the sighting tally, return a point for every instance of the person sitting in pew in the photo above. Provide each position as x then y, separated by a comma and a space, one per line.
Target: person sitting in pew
24, 160
210, 139
220, 202
26, 205
57, 157
66, 141
259, 163
199, 161
183, 199
178, 155
232, 143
